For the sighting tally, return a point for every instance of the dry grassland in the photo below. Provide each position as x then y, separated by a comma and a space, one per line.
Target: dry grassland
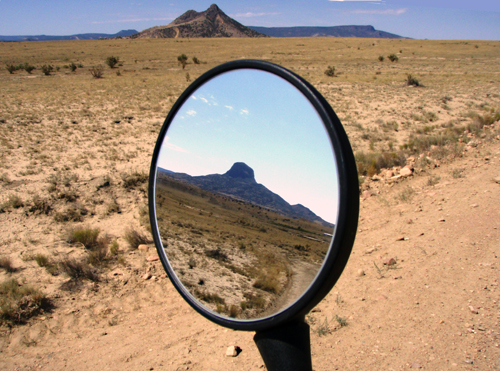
76, 150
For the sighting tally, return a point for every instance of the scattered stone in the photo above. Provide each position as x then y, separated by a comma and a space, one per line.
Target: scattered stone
401, 238
147, 276
469, 361
152, 258
370, 250
233, 351
405, 172
474, 205
390, 261
163, 275
361, 273
117, 273
315, 310
143, 247
497, 180
442, 220
367, 194
409, 221
382, 297
415, 365
473, 310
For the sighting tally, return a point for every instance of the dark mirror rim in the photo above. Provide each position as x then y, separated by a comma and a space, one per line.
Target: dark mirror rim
348, 208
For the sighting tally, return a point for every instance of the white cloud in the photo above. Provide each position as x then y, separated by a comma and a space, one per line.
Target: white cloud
244, 112
194, 97
204, 100
229, 108
381, 12
173, 147
191, 112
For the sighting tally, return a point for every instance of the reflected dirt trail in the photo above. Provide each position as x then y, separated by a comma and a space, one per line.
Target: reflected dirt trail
303, 275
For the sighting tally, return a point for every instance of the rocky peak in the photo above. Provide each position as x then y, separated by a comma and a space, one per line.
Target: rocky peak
241, 170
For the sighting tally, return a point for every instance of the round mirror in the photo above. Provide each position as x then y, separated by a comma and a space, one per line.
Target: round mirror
253, 195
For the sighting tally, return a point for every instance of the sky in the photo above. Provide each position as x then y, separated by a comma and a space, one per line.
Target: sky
421, 19
275, 131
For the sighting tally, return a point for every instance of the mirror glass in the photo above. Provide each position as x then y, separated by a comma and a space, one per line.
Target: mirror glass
246, 194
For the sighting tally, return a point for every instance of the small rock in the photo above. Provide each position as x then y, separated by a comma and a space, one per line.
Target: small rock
366, 194
152, 258
469, 361
442, 220
497, 179
474, 205
370, 250
315, 310
382, 297
361, 273
473, 310
147, 276
390, 261
143, 247
409, 221
415, 365
405, 172
117, 273
233, 351
400, 238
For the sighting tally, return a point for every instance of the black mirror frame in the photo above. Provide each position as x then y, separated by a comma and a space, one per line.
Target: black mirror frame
348, 207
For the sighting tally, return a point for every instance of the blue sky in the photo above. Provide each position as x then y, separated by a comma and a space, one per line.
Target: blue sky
437, 19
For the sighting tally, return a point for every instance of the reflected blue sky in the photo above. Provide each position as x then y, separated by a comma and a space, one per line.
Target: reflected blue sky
260, 119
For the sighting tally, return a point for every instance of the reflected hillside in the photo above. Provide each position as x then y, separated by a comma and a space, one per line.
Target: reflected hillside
239, 183
237, 258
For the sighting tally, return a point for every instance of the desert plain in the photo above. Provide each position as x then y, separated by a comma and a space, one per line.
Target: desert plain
420, 290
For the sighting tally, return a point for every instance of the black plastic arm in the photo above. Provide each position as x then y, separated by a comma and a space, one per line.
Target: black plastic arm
286, 348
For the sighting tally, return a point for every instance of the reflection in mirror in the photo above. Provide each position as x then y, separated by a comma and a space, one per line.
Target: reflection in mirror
246, 194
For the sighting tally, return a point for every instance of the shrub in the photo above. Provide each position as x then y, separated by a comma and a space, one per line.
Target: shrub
96, 72
45, 262
40, 206
135, 238
217, 254
196, 60
112, 61
73, 213
330, 71
47, 69
19, 303
393, 57
79, 269
11, 68
28, 68
188, 77
381, 58
267, 283
72, 67
182, 60
412, 81
6, 263
134, 179
88, 237
14, 202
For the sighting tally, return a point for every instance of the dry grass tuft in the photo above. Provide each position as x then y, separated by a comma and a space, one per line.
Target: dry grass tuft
18, 303
136, 238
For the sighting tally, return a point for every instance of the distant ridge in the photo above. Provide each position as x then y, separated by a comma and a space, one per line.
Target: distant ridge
210, 23
84, 36
334, 31
239, 183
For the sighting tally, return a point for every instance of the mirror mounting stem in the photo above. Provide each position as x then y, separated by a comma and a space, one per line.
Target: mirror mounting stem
287, 347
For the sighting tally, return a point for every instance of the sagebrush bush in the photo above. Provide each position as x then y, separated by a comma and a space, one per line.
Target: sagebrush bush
196, 60
79, 269
11, 68
72, 67
96, 72
47, 69
135, 238
381, 58
412, 81
18, 303
6, 264
393, 57
112, 61
330, 71
182, 60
